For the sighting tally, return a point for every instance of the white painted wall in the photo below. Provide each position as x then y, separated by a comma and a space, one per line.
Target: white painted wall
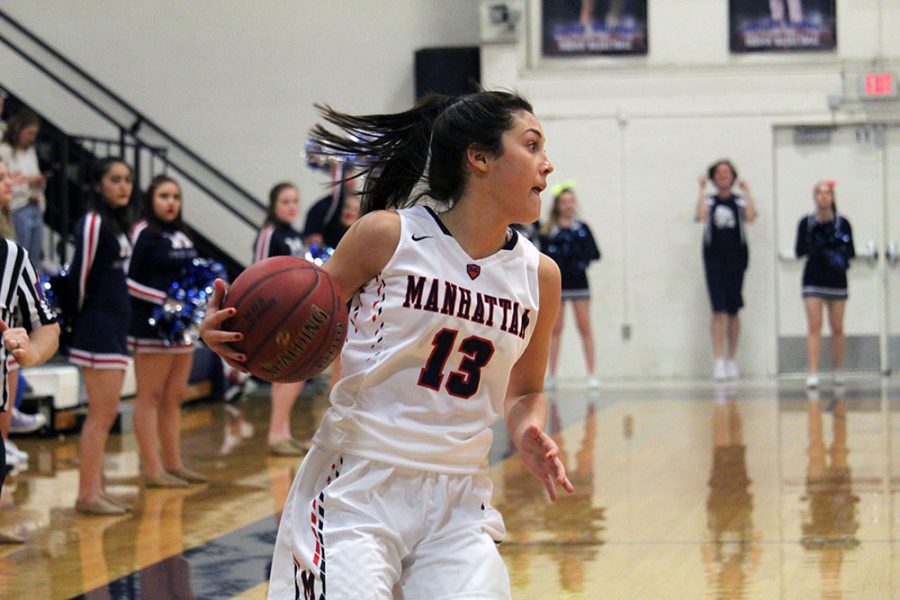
237, 80
636, 132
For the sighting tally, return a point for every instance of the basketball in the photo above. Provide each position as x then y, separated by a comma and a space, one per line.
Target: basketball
292, 315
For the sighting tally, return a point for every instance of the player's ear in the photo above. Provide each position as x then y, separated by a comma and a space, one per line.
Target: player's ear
477, 158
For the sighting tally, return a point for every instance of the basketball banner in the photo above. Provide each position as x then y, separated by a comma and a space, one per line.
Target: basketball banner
782, 25
594, 27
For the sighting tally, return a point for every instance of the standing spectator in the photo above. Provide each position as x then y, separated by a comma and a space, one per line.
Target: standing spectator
826, 239
100, 330
36, 339
570, 243
28, 203
162, 252
279, 238
725, 259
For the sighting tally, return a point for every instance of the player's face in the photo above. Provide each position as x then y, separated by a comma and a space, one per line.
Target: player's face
167, 202
287, 205
520, 173
5, 185
565, 205
116, 185
824, 196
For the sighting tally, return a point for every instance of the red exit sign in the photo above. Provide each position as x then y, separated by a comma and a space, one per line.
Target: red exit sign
878, 85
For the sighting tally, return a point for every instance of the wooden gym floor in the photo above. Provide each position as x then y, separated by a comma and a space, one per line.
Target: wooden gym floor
683, 491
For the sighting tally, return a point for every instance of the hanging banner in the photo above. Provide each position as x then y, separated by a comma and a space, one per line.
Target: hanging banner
782, 25
594, 27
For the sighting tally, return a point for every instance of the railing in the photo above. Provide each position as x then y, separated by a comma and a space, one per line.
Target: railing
133, 127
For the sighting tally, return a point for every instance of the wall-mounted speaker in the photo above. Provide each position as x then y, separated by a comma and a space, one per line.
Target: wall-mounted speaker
453, 71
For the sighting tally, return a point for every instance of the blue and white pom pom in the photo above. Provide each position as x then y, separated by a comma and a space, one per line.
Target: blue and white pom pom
318, 254
177, 320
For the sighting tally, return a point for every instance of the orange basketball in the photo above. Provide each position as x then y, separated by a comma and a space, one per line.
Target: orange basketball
292, 315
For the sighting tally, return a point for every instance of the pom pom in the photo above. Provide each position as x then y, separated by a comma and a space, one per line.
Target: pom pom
177, 320
318, 255
831, 183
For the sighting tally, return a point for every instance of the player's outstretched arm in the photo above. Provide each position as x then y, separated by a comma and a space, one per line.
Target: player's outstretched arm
525, 407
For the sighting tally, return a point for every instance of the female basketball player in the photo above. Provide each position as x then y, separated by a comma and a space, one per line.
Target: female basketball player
451, 318
38, 337
161, 251
100, 329
279, 238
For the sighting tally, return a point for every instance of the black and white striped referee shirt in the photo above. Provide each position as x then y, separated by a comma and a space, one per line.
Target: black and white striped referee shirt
19, 288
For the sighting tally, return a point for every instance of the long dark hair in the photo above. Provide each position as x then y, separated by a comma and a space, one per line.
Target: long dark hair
23, 118
154, 222
271, 218
121, 216
437, 132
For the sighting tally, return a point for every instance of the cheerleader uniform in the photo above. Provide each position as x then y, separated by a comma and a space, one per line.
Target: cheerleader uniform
820, 279
573, 249
100, 331
159, 258
278, 239
725, 253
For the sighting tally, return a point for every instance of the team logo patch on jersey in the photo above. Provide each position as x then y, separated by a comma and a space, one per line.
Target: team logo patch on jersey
473, 271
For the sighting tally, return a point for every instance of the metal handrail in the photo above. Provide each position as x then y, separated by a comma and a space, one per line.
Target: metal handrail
139, 119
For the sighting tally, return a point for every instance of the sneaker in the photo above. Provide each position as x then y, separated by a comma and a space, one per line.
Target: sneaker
14, 456
288, 447
593, 382
24, 423
731, 370
719, 371
812, 381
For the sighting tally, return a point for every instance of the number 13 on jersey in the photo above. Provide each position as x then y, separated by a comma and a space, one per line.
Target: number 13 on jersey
464, 381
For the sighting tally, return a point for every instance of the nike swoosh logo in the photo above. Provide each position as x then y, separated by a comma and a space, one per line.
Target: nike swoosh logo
420, 238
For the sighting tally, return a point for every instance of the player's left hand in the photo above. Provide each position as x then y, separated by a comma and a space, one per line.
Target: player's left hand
541, 456
17, 343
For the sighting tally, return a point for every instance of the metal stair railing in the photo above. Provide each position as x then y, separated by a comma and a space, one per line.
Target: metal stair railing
130, 123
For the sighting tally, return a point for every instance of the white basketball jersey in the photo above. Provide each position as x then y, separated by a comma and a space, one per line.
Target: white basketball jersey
430, 346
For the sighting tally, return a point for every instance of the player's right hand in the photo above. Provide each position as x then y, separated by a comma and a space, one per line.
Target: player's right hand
215, 337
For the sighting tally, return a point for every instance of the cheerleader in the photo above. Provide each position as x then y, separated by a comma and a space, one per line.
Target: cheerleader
570, 243
162, 250
100, 327
279, 238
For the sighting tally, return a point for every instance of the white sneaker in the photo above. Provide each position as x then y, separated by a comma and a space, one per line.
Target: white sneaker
14, 456
812, 381
593, 382
731, 370
719, 371
20, 422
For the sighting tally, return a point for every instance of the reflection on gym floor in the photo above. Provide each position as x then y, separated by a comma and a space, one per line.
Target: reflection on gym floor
681, 492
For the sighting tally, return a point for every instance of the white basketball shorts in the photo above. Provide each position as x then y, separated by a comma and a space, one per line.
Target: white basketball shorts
354, 529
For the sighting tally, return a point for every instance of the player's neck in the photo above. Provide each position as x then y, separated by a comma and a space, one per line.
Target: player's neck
478, 234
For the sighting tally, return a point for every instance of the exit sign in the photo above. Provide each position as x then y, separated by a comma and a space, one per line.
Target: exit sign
878, 85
